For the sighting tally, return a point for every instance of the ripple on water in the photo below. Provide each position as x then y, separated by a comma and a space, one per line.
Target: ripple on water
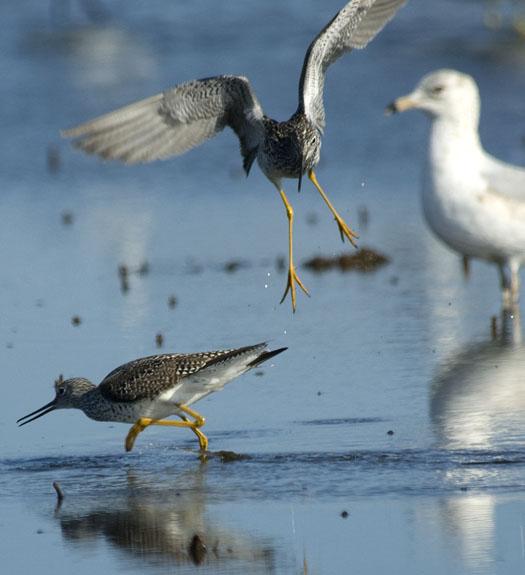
277, 475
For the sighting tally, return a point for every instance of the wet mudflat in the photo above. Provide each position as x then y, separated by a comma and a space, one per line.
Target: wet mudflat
389, 437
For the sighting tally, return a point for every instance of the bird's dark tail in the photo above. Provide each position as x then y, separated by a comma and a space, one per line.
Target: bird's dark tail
248, 157
265, 356
300, 180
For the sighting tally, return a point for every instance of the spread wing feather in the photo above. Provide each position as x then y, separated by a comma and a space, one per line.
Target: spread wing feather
173, 122
352, 27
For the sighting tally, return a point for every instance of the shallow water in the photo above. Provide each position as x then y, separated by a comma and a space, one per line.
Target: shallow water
406, 349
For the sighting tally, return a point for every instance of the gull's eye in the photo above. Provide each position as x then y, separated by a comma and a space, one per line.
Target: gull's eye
437, 90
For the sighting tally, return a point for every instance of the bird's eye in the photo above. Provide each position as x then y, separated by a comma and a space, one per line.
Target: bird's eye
437, 90
61, 390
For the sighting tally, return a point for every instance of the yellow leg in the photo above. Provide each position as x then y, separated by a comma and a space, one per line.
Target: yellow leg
199, 419
139, 426
203, 440
293, 278
199, 422
344, 230
144, 422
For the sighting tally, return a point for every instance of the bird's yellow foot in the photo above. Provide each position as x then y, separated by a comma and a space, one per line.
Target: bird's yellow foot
203, 440
194, 425
346, 231
293, 279
137, 428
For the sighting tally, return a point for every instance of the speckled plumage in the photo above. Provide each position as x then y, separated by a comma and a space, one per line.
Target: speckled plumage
154, 386
147, 377
187, 115
183, 117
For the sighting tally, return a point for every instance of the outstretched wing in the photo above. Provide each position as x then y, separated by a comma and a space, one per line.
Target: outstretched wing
353, 27
175, 121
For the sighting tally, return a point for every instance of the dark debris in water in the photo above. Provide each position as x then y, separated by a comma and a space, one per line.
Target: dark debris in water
67, 218
53, 159
280, 264
143, 268
197, 550
363, 217
233, 266
364, 260
59, 492
123, 274
228, 456
312, 218
125, 271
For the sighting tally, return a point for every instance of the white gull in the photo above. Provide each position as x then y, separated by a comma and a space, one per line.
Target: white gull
472, 201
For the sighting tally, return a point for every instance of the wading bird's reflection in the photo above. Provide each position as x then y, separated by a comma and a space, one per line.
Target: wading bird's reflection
161, 526
478, 395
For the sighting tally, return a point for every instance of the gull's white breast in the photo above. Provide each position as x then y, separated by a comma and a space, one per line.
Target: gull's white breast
466, 211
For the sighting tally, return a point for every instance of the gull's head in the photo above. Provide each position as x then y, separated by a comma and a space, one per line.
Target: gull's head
68, 394
446, 94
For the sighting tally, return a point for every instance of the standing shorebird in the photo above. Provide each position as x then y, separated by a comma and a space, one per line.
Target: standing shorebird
147, 390
183, 117
472, 201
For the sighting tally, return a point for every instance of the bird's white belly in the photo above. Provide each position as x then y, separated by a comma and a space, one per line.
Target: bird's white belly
472, 219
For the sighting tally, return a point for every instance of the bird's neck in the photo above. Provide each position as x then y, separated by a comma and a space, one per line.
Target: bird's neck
83, 396
454, 138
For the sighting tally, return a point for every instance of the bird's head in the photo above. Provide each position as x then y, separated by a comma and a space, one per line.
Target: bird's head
443, 94
68, 393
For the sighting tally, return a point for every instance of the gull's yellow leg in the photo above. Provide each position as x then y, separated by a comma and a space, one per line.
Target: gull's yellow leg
344, 230
293, 278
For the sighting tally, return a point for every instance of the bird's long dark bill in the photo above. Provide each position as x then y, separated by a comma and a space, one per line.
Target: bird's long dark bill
48, 407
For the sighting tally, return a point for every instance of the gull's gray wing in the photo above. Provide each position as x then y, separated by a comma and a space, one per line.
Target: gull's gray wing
175, 121
504, 179
353, 27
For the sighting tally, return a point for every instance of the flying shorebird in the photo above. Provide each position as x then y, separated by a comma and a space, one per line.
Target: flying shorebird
147, 390
472, 201
170, 123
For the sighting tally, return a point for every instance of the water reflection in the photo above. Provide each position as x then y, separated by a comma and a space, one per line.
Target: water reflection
102, 52
469, 523
164, 525
478, 395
